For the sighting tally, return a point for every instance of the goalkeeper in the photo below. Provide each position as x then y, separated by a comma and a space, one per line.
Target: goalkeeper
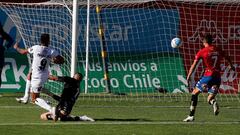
66, 101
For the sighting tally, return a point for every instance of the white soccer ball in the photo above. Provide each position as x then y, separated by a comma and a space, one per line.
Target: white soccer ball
176, 42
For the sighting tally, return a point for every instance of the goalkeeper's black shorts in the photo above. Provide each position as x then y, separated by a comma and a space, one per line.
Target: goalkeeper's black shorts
64, 108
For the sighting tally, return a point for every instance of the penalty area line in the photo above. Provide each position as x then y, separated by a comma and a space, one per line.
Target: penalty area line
123, 123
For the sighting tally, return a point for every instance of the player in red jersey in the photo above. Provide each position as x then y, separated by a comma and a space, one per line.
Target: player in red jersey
211, 80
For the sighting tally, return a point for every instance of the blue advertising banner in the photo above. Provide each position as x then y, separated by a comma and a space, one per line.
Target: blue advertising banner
132, 29
143, 32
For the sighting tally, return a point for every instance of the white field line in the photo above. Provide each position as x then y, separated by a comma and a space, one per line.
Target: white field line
122, 123
85, 106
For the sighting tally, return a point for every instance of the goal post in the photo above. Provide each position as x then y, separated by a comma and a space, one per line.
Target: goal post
138, 33
74, 37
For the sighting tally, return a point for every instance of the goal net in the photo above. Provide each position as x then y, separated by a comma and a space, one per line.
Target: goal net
130, 43
34, 19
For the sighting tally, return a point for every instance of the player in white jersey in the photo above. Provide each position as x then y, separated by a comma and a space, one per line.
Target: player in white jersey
42, 55
25, 98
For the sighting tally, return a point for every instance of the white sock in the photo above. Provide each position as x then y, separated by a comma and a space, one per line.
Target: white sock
42, 103
27, 90
212, 101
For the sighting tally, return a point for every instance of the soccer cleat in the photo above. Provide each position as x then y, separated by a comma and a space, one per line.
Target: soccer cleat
21, 100
215, 108
86, 118
189, 119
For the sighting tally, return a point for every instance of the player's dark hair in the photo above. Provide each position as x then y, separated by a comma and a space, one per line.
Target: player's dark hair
208, 39
45, 38
80, 75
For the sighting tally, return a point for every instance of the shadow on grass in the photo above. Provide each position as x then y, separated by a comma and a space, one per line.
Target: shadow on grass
126, 120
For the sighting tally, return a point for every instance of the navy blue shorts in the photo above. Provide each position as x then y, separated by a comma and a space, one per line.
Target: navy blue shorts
209, 83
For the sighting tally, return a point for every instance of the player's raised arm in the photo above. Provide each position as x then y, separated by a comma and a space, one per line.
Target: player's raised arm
54, 78
20, 50
49, 93
58, 78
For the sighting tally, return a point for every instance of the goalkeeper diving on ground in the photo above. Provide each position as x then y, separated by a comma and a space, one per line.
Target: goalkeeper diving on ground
66, 101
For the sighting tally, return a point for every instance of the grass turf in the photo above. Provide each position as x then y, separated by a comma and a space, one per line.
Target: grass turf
126, 117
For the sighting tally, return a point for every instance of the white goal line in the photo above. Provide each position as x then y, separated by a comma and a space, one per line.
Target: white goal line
122, 123
85, 106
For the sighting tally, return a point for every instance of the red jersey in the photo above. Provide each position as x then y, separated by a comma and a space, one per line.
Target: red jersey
211, 57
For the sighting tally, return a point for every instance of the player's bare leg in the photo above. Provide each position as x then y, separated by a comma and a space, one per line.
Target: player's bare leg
34, 96
212, 101
193, 105
43, 104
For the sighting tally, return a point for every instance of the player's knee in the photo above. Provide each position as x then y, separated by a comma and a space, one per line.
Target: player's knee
196, 91
34, 96
36, 89
214, 90
211, 98
211, 101
204, 87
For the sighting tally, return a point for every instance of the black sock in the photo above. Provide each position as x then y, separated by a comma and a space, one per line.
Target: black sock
192, 112
193, 104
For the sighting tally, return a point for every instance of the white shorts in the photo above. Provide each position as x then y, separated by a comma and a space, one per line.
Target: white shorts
37, 84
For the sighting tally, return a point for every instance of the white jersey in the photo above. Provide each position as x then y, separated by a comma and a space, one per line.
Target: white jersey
42, 56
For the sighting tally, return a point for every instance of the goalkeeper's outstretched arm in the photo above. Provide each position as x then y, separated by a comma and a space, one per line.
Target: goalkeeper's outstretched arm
49, 93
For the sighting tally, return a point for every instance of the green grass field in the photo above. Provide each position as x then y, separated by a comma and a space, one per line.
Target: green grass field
126, 117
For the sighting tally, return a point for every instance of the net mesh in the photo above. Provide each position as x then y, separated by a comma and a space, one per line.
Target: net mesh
32, 20
137, 36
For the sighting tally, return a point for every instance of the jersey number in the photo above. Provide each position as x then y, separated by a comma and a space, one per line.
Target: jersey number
43, 64
215, 59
